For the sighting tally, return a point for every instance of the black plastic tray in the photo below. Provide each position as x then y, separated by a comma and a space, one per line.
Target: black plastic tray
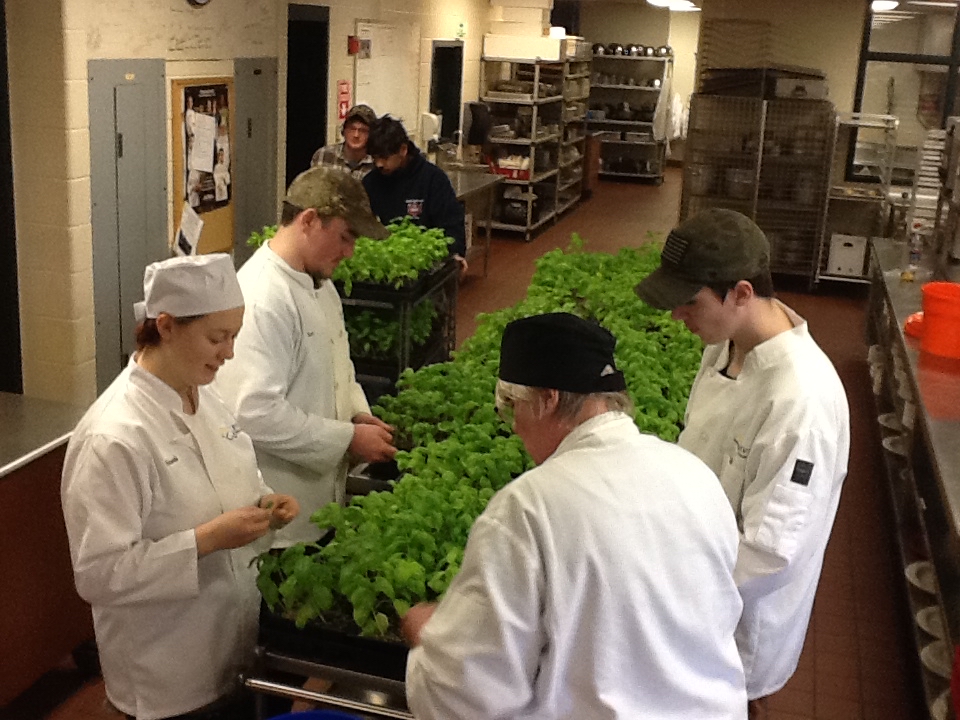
320, 644
412, 289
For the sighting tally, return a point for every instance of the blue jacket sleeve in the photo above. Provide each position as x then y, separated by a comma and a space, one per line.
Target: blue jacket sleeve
446, 212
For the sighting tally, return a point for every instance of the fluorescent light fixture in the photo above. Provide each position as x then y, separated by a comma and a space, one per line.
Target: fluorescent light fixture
674, 5
883, 5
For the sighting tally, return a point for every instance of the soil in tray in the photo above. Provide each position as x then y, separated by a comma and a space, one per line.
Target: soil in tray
334, 642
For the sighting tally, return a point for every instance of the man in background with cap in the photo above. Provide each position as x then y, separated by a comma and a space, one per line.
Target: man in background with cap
769, 415
598, 584
292, 383
351, 154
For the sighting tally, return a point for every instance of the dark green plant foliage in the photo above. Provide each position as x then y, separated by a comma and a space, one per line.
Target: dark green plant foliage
392, 550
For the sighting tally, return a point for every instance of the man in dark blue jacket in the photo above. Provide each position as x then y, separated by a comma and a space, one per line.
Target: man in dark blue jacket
406, 183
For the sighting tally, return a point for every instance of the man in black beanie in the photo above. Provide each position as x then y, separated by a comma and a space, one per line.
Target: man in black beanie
598, 584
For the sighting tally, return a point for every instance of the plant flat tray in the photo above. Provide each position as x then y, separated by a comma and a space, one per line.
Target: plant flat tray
329, 646
411, 290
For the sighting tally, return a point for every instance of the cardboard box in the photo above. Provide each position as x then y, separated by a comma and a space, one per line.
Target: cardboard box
847, 254
532, 47
512, 173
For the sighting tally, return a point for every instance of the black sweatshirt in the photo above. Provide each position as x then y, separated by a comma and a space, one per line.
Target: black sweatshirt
422, 191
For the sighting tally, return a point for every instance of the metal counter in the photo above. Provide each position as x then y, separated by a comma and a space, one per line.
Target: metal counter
30, 428
935, 381
477, 187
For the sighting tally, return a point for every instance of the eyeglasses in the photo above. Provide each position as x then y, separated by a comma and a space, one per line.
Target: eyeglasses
505, 411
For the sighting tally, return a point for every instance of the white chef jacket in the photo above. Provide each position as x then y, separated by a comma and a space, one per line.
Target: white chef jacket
292, 386
598, 585
173, 631
778, 437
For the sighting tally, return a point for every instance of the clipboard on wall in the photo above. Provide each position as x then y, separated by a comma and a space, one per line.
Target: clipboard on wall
203, 140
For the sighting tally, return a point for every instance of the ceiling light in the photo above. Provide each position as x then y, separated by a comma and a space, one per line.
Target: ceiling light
683, 6
883, 5
659, 3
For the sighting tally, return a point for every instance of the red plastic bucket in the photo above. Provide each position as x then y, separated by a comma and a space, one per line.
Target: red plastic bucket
941, 319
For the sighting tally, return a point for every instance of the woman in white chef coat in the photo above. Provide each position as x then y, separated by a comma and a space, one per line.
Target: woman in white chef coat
163, 504
600, 583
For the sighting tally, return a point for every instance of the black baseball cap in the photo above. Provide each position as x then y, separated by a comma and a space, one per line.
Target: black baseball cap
559, 351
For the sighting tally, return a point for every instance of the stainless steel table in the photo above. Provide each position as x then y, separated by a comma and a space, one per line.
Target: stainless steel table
30, 428
473, 187
918, 403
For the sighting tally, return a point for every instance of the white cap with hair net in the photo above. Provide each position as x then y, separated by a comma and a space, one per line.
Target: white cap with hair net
188, 286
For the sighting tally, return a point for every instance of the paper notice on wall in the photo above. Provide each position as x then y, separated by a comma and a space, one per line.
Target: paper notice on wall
188, 235
204, 138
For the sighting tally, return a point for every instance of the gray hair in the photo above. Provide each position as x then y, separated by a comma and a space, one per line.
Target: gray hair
569, 404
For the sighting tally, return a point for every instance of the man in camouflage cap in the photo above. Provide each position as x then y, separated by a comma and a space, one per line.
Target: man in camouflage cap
351, 154
292, 384
768, 414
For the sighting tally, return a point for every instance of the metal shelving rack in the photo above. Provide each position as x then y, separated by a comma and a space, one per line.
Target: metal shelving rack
576, 91
536, 102
768, 159
639, 86
857, 205
947, 223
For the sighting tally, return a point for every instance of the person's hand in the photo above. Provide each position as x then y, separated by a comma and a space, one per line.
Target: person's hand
232, 529
462, 262
368, 419
372, 443
412, 623
283, 509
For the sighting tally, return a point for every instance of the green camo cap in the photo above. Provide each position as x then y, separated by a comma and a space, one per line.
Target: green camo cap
363, 113
333, 192
714, 247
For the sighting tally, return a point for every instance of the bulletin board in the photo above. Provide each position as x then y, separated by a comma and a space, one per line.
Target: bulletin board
388, 77
203, 139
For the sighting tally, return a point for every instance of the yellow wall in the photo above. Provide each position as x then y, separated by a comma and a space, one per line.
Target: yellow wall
822, 34
635, 22
49, 44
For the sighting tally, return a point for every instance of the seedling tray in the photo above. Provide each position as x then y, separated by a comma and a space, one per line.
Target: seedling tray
329, 645
411, 290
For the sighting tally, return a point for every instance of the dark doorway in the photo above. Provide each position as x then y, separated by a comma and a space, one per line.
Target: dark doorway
446, 84
308, 41
11, 370
566, 14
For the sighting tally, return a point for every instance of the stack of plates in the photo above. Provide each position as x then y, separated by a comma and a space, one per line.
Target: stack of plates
895, 444
930, 620
937, 659
891, 422
922, 576
940, 708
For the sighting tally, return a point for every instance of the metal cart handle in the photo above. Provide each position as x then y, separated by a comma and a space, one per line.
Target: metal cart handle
297, 693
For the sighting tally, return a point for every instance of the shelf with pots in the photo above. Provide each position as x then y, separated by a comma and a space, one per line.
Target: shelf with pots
628, 97
537, 110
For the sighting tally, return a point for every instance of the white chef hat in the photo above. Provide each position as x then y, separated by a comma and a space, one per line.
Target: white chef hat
189, 285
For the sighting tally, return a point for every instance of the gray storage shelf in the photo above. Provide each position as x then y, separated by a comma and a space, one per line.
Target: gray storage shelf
560, 114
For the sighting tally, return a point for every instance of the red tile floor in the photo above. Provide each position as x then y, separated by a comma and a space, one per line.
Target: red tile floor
858, 661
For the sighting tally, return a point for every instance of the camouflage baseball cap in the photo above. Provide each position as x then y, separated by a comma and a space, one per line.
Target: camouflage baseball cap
364, 113
714, 247
332, 192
